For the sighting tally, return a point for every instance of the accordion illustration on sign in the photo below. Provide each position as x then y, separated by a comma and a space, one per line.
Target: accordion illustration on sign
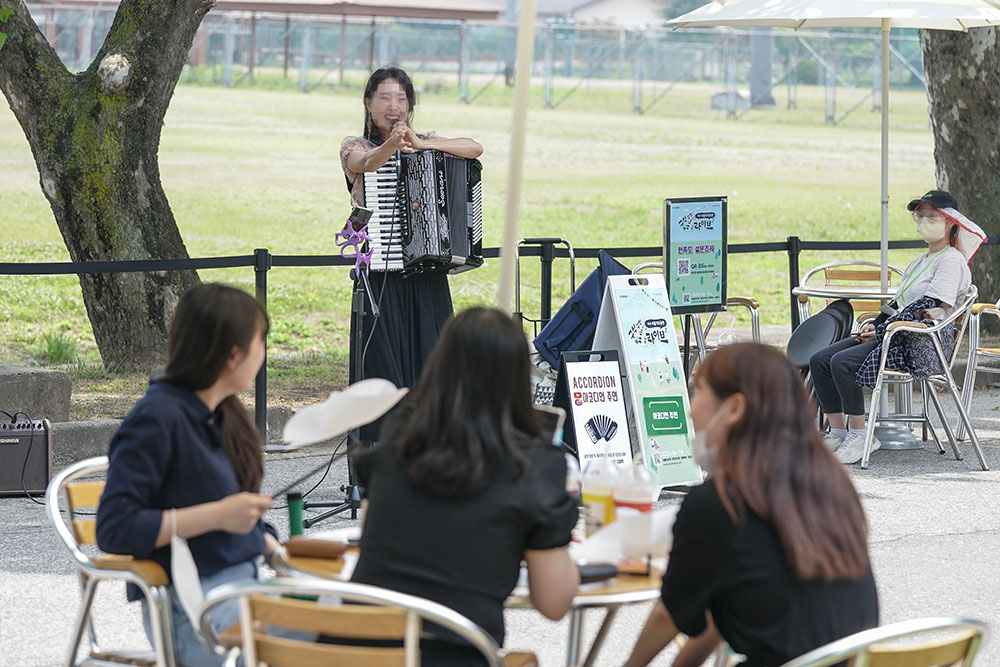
601, 427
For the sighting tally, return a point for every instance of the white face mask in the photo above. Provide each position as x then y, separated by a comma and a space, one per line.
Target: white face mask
931, 229
704, 455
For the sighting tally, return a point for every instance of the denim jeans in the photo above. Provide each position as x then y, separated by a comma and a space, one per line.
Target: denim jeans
189, 650
834, 370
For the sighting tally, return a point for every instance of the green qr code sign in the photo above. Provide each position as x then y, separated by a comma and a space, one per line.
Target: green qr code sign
665, 415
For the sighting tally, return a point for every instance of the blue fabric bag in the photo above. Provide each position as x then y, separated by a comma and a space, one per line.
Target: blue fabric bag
573, 327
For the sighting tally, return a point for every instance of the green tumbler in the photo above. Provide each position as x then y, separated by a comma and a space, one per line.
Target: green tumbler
295, 526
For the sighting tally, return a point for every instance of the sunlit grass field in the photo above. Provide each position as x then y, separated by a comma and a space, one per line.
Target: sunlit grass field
250, 167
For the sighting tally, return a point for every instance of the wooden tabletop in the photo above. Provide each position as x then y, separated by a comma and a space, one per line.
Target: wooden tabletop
622, 589
845, 292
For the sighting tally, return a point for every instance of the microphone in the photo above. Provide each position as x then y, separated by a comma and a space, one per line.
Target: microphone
392, 123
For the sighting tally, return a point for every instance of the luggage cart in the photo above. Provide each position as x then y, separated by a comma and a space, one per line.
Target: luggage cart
546, 255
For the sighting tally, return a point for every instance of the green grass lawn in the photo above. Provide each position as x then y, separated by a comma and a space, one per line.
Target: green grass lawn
250, 167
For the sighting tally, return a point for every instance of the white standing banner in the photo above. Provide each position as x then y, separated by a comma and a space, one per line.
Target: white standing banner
597, 400
636, 321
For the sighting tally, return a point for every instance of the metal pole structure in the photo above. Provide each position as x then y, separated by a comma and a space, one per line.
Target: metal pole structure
253, 45
343, 47
306, 56
228, 46
549, 64
876, 74
86, 50
262, 264
288, 45
637, 75
794, 248
522, 95
621, 53
463, 62
831, 90
884, 243
371, 48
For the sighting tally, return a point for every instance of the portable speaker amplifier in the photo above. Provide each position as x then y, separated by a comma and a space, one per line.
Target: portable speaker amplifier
22, 441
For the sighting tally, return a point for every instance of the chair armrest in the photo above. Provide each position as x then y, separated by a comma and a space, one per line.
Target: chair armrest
231, 636
978, 308
865, 317
150, 571
747, 301
906, 325
803, 298
519, 659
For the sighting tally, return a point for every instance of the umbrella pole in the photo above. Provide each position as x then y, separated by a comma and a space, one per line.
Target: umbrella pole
884, 247
522, 92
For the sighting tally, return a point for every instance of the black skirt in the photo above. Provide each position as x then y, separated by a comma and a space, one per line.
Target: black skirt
413, 311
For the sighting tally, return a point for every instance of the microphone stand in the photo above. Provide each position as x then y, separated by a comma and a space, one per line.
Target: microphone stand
352, 492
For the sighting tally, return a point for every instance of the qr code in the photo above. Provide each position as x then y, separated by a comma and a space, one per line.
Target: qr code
656, 459
683, 267
686, 298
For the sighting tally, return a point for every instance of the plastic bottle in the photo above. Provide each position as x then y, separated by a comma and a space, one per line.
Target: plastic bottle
295, 506
635, 488
599, 478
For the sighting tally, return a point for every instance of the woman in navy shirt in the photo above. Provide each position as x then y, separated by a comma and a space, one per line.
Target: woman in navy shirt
188, 454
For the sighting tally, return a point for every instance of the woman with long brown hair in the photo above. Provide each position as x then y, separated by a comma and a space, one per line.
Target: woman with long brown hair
464, 487
770, 554
187, 460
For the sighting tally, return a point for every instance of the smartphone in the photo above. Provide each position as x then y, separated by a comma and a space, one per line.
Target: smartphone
550, 423
359, 217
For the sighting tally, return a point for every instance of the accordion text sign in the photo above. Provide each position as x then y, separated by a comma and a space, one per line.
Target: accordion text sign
597, 400
694, 253
636, 320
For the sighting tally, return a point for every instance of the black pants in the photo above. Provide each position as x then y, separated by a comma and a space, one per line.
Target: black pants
834, 369
413, 312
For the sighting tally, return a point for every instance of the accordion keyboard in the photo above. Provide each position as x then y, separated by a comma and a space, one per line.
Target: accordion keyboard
385, 225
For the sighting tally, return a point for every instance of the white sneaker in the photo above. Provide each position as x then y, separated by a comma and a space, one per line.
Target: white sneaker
853, 448
832, 441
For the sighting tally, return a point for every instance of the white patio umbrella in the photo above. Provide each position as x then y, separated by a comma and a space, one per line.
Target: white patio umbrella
884, 14
522, 95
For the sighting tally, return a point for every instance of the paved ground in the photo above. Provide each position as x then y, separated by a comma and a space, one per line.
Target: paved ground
934, 543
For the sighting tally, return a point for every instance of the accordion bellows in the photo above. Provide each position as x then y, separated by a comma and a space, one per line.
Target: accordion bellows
601, 427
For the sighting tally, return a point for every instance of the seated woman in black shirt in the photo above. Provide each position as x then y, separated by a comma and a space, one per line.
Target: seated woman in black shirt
462, 489
770, 554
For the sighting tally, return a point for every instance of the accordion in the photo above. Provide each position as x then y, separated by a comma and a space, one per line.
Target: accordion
427, 213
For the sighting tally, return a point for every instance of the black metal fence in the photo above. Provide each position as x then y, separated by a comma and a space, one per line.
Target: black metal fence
263, 261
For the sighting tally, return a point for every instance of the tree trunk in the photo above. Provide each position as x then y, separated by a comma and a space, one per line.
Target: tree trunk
963, 77
95, 138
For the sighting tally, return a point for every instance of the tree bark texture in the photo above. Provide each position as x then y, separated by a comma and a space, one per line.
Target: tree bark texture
95, 138
963, 87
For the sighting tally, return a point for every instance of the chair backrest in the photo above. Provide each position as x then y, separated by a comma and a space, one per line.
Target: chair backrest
78, 495
853, 272
962, 321
380, 616
879, 647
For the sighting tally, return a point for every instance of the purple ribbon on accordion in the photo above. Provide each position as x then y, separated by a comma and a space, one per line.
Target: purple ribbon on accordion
350, 241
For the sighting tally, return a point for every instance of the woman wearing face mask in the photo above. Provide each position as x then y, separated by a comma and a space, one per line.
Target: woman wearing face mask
770, 554
941, 274
414, 308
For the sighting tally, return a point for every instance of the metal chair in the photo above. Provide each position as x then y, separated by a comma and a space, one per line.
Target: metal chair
378, 616
146, 574
701, 333
977, 355
849, 272
891, 376
878, 647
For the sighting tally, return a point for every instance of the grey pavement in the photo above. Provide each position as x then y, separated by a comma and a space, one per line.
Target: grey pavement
935, 536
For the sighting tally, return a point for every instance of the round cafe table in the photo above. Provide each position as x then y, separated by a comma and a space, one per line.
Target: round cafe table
892, 436
611, 595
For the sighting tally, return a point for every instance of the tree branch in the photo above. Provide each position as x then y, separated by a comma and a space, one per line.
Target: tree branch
31, 75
